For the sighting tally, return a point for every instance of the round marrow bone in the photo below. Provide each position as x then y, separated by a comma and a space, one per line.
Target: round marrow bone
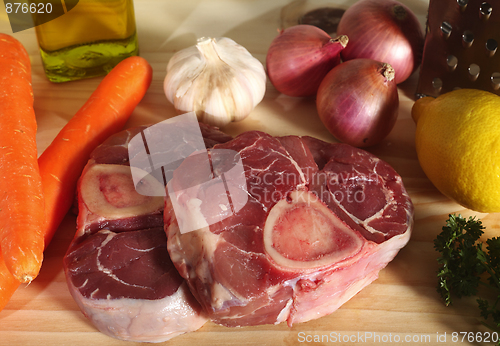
301, 232
108, 191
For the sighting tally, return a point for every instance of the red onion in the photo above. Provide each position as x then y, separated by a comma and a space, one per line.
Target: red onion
300, 57
358, 101
386, 31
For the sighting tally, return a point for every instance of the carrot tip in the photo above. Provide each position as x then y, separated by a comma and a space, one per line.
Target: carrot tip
25, 279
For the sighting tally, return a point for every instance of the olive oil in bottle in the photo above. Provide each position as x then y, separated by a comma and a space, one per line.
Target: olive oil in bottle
88, 40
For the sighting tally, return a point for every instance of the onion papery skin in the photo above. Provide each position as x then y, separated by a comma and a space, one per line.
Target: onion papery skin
358, 102
386, 31
300, 57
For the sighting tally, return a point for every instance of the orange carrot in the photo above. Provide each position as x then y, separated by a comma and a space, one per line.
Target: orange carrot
22, 214
105, 113
61, 164
8, 284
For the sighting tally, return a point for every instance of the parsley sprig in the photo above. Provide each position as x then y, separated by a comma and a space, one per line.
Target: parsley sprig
464, 266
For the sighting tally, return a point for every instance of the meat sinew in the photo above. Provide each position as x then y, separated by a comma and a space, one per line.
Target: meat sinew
319, 223
117, 266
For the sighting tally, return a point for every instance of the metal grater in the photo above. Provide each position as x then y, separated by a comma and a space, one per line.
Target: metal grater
460, 48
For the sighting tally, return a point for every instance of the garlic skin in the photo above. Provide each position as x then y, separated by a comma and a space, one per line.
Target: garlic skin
217, 78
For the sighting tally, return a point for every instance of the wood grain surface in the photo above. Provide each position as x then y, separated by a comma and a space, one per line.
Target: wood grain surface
402, 305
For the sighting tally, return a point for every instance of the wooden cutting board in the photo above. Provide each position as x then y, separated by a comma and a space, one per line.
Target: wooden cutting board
402, 305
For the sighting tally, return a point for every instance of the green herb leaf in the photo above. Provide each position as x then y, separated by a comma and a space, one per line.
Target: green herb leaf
460, 268
463, 262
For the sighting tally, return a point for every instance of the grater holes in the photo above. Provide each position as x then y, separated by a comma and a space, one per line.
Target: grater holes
446, 29
472, 41
495, 80
491, 47
462, 4
467, 38
474, 71
452, 62
437, 84
485, 11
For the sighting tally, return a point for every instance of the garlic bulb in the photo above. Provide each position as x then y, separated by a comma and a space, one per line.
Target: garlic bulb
217, 78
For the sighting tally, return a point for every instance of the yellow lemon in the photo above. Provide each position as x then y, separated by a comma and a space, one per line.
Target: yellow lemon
458, 146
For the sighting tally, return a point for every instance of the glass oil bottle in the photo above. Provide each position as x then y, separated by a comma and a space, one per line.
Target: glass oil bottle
88, 40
